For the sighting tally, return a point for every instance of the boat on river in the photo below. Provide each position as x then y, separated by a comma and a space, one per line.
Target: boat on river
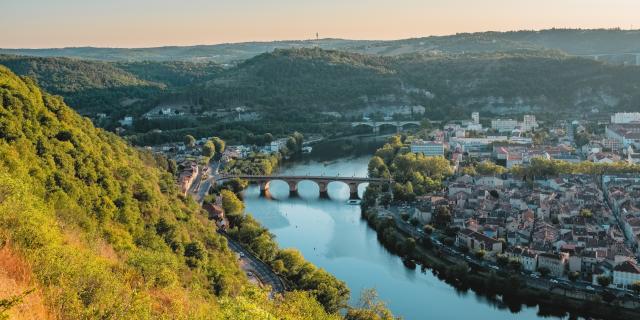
353, 202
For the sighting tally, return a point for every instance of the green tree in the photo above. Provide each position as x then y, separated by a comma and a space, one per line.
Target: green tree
502, 260
635, 287
585, 212
515, 265
189, 141
208, 149
544, 271
489, 168
574, 276
604, 281
219, 144
370, 307
442, 217
230, 202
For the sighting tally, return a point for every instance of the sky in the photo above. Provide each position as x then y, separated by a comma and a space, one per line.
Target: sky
148, 23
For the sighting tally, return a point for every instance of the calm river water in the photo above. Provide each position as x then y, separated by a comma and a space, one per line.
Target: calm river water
331, 234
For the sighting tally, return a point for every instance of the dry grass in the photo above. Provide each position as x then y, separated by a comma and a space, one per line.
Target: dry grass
15, 279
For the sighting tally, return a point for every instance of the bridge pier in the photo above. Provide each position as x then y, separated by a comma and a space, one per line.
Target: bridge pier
293, 188
264, 188
376, 129
324, 190
353, 191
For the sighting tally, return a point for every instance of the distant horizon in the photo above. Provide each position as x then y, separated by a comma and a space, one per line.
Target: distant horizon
38, 24
324, 39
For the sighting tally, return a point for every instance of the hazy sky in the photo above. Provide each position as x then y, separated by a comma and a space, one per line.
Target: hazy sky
144, 23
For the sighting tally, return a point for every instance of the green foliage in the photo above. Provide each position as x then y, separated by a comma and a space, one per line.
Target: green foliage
370, 307
189, 141
231, 203
541, 168
442, 217
208, 149
604, 281
254, 164
103, 227
332, 293
488, 168
219, 144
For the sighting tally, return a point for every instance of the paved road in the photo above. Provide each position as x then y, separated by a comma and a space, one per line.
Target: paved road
259, 268
202, 186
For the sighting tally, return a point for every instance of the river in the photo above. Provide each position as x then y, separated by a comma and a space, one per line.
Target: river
331, 234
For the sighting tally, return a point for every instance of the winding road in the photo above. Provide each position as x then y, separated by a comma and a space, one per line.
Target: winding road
258, 267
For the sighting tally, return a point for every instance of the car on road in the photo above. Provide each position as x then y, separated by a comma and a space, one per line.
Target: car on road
590, 288
553, 281
241, 254
494, 267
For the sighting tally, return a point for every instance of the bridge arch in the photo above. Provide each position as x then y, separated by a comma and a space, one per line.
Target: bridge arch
388, 127
264, 182
407, 125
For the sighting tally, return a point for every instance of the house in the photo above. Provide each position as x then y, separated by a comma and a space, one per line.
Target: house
527, 258
277, 145
492, 182
626, 273
555, 262
476, 241
428, 148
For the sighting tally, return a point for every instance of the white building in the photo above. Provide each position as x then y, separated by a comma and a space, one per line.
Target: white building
428, 148
504, 125
625, 117
127, 121
624, 134
529, 123
475, 116
626, 274
278, 144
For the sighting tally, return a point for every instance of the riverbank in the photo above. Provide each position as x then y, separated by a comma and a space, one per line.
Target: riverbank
503, 288
332, 235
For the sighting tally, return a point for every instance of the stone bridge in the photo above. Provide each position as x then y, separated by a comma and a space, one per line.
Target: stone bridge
377, 124
292, 180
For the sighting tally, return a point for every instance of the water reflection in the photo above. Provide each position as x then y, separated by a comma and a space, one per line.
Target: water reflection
332, 235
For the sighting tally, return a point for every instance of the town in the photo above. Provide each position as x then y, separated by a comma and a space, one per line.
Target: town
555, 202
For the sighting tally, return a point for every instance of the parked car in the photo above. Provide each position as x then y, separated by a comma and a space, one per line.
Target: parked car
590, 288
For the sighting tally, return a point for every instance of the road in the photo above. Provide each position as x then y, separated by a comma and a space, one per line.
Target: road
201, 187
258, 267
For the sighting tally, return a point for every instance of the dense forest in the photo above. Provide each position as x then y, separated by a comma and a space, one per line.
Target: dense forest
284, 82
314, 88
115, 89
92, 228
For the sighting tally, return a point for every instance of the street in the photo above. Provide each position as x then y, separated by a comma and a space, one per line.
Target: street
262, 271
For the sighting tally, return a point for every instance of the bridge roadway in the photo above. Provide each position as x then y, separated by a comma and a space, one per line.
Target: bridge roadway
292, 180
377, 124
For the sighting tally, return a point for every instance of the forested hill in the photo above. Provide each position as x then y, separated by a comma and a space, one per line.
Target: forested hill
97, 227
296, 84
111, 88
300, 79
286, 82
571, 41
